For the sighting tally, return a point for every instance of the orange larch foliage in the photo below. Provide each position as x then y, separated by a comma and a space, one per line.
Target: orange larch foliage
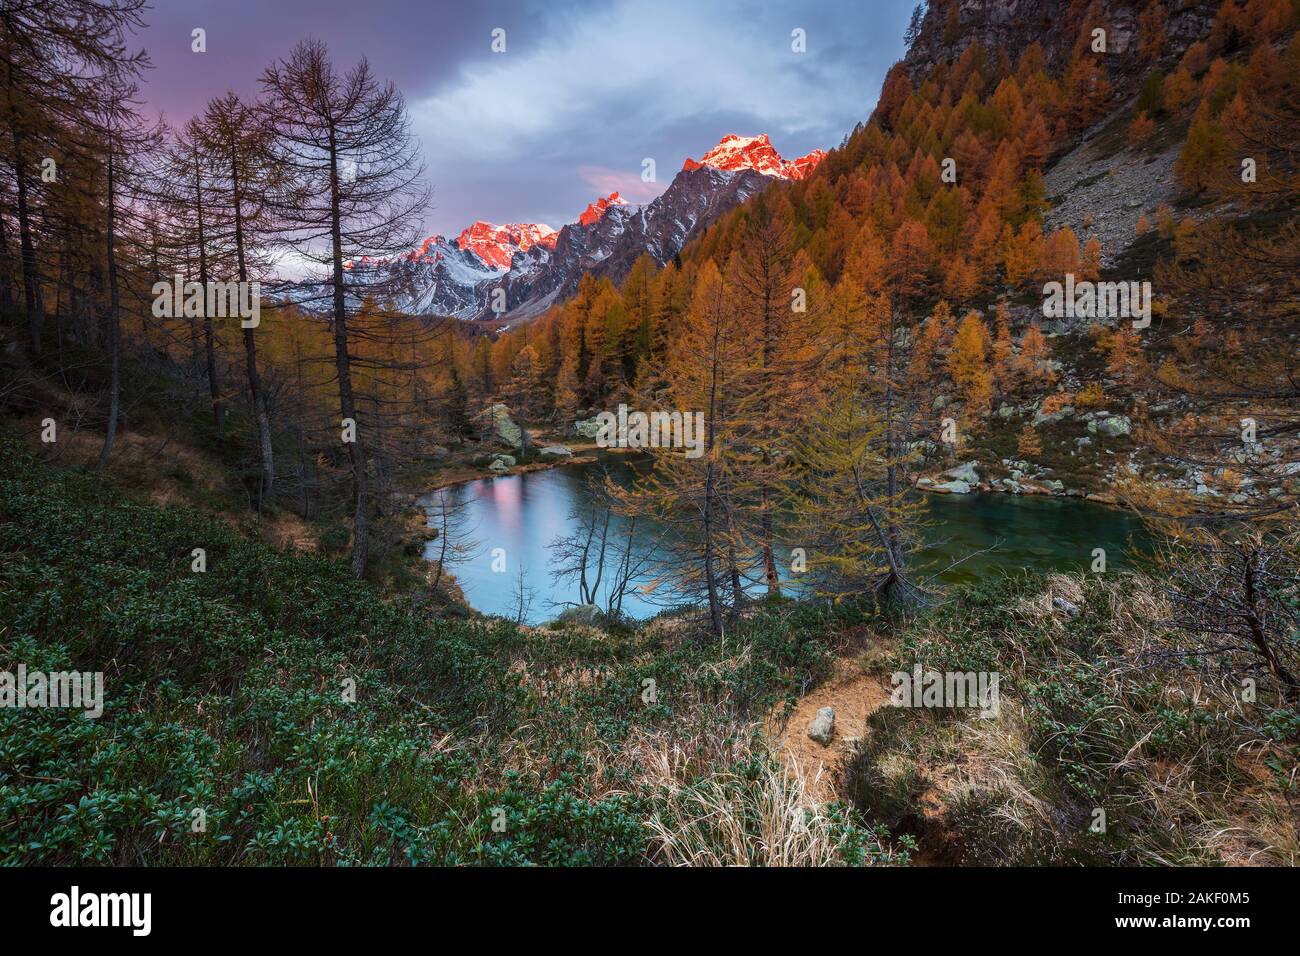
1125, 361
1035, 357
1060, 256
1151, 30
969, 367
1028, 444
1005, 373
1022, 252
1140, 130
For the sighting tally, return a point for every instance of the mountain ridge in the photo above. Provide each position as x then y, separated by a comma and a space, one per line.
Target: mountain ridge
524, 268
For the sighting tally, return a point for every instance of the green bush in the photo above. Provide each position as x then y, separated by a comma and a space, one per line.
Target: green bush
227, 692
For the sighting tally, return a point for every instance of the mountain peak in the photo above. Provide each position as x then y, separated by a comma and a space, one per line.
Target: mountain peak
596, 210
497, 245
735, 152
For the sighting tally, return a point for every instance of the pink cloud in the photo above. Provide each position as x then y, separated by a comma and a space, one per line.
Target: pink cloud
627, 183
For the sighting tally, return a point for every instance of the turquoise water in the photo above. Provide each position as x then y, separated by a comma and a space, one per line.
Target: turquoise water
988, 535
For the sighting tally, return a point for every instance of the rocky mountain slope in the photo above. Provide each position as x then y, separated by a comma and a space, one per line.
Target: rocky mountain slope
1101, 186
727, 175
607, 247
444, 277
1010, 26
757, 153
511, 273
497, 245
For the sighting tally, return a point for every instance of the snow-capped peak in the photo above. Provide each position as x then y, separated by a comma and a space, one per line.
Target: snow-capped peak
757, 153
596, 210
497, 245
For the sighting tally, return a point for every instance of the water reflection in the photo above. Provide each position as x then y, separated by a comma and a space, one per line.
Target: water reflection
968, 537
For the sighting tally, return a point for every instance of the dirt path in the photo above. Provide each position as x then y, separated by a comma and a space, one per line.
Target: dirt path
855, 695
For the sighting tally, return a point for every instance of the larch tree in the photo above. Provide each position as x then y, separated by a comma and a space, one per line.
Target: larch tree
691, 496
353, 187
968, 364
188, 174
129, 146
839, 502
770, 392
235, 138
63, 66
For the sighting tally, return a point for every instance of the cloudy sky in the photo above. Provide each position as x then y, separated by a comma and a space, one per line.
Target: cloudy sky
584, 92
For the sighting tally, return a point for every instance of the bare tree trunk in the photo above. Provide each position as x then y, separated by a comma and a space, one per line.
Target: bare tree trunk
265, 450
584, 590
209, 351
26, 249
737, 590
769, 555
347, 405
442, 552
897, 582
1290, 689
615, 605
600, 562
6, 271
715, 610
114, 325
765, 521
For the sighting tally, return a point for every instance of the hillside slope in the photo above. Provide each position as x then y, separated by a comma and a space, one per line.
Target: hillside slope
305, 721
272, 710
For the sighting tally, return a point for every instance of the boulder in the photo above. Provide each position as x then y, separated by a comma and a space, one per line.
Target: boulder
951, 487
822, 728
589, 428
965, 472
1059, 415
498, 465
503, 427
1061, 604
588, 614
507, 460
1113, 427
556, 451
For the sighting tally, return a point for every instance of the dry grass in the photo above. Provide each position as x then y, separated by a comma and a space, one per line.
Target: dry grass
727, 820
1193, 776
998, 758
169, 472
669, 759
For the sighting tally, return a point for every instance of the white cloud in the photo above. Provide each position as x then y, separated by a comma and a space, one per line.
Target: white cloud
636, 65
